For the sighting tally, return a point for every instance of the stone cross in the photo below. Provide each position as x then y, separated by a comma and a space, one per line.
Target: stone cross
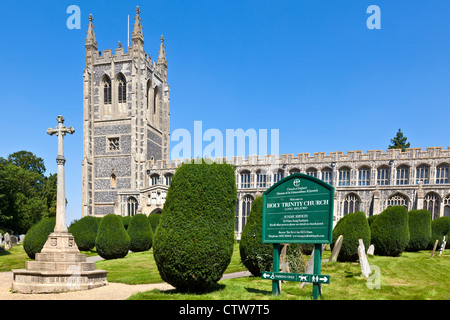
60, 131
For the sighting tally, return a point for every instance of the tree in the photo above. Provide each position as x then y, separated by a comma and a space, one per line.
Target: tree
28, 161
26, 195
399, 141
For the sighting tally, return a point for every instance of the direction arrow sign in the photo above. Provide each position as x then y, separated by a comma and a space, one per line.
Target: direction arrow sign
299, 277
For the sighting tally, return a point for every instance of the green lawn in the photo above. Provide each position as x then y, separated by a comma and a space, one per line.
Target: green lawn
412, 276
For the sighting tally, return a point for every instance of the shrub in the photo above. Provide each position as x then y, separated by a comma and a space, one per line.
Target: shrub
194, 241
126, 221
352, 227
112, 240
440, 227
37, 235
419, 222
154, 220
390, 231
140, 233
257, 256
84, 232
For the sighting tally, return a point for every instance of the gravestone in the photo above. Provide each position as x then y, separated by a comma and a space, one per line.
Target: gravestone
21, 237
8, 245
371, 250
365, 267
336, 249
442, 246
309, 269
14, 241
284, 265
434, 248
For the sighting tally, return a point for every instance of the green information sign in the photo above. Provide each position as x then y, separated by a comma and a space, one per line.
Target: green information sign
298, 209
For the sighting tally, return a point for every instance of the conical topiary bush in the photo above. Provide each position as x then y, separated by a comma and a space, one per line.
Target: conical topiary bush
194, 240
140, 233
112, 240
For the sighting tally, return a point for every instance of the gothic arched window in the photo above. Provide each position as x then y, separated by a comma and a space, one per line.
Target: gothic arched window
344, 176
397, 200
432, 203
122, 89
246, 207
442, 174
383, 176
422, 174
245, 179
311, 172
351, 203
402, 175
132, 205
364, 176
107, 90
261, 179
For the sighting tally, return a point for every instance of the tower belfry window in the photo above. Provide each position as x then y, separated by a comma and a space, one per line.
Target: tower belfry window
107, 91
122, 92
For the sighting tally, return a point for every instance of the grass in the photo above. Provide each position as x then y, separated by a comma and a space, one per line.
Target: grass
412, 276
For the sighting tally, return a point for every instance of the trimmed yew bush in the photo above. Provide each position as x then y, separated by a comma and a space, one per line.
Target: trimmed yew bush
154, 220
440, 227
112, 240
258, 257
419, 222
84, 232
390, 231
352, 227
140, 232
37, 235
194, 241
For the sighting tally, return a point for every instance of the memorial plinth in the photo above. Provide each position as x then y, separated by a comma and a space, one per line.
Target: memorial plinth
59, 267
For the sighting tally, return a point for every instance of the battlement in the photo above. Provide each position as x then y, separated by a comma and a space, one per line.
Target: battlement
322, 157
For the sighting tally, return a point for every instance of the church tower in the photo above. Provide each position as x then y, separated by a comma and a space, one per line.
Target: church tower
126, 123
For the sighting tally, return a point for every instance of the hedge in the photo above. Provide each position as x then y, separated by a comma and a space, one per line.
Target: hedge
419, 222
352, 227
390, 231
440, 227
84, 232
37, 235
140, 232
112, 240
194, 241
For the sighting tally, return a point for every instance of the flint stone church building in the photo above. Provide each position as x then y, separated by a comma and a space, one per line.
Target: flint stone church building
126, 167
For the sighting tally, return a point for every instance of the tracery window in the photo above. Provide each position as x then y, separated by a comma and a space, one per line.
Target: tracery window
246, 207
383, 176
422, 174
402, 175
442, 174
344, 177
397, 200
432, 203
312, 172
278, 176
327, 175
351, 203
154, 179
107, 90
447, 206
364, 176
122, 89
132, 205
245, 179
261, 179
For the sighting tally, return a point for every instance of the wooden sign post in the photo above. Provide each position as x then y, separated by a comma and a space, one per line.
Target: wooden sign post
298, 209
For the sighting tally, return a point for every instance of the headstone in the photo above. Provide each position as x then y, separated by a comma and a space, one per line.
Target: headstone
336, 249
371, 250
434, 248
14, 240
442, 246
284, 264
8, 245
309, 269
21, 238
365, 267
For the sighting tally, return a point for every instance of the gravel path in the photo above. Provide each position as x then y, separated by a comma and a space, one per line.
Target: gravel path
112, 291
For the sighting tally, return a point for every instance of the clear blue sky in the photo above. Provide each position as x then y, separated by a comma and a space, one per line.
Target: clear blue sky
310, 68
